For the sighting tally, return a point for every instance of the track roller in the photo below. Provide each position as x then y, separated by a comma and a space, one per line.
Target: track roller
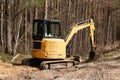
47, 64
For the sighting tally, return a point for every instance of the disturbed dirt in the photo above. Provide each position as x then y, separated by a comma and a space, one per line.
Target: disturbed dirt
105, 68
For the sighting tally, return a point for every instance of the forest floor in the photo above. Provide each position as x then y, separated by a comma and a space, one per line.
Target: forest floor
105, 68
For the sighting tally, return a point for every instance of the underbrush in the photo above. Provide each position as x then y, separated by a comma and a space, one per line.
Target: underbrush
13, 58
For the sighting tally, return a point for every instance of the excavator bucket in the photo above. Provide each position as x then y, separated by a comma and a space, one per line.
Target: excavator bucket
92, 56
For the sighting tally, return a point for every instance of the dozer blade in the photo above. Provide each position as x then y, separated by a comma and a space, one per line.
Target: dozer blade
34, 62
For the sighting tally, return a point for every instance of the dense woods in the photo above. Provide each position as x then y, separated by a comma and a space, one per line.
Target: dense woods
16, 23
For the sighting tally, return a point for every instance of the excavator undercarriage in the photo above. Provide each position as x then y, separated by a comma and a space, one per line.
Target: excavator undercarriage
47, 64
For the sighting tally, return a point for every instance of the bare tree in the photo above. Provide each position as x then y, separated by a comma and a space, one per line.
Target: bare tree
2, 22
46, 9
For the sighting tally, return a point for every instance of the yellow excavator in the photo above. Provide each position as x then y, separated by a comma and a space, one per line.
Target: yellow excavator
48, 46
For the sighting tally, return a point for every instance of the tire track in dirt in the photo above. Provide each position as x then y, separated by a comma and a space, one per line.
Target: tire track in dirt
104, 69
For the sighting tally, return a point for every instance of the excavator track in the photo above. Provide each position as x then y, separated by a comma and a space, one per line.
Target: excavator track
45, 64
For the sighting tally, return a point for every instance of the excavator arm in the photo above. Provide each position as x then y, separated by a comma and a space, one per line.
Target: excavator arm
85, 24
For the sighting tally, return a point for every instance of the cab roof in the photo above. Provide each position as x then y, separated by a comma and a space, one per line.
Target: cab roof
46, 20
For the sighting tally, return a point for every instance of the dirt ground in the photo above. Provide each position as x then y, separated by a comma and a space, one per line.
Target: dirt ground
106, 68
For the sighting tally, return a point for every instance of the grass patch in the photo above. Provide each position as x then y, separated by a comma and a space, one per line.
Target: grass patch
9, 57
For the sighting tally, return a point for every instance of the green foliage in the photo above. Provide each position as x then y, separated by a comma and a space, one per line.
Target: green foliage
8, 57
116, 3
39, 2
116, 9
31, 3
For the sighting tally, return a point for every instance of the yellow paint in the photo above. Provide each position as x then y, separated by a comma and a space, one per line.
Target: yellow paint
89, 24
51, 49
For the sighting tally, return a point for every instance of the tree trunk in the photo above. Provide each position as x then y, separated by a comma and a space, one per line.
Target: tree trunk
17, 40
26, 38
6, 26
2, 33
9, 30
46, 9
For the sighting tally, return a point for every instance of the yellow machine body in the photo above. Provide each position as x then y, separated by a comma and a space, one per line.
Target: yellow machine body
51, 48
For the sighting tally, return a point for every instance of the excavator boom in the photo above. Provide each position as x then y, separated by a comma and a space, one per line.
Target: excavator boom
85, 24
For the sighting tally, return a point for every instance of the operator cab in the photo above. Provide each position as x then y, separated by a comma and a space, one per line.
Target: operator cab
46, 29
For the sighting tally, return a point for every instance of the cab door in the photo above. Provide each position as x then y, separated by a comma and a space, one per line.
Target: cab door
38, 33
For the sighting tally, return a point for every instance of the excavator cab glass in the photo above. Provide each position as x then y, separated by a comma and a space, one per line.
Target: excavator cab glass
38, 29
52, 29
45, 29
